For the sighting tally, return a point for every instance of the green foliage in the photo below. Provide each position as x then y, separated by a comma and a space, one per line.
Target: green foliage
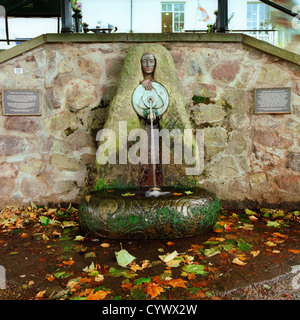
201, 99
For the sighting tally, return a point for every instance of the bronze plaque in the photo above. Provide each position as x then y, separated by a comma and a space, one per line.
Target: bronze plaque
21, 102
272, 100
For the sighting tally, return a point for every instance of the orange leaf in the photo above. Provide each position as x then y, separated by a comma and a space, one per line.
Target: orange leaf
55, 233
50, 277
170, 243
154, 290
69, 262
277, 234
157, 280
176, 194
104, 245
40, 294
24, 235
85, 280
99, 295
218, 230
126, 286
294, 251
178, 283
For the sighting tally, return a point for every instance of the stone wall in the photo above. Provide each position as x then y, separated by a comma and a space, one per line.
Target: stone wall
249, 159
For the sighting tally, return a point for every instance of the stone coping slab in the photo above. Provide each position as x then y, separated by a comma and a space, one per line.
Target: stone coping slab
147, 37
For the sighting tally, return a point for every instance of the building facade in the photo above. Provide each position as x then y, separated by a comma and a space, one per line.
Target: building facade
155, 16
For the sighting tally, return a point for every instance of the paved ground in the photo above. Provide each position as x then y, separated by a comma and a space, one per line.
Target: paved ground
249, 255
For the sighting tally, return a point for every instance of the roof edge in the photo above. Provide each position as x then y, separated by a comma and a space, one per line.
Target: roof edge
147, 37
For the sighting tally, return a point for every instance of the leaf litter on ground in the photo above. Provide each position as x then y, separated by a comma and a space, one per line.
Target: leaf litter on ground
194, 266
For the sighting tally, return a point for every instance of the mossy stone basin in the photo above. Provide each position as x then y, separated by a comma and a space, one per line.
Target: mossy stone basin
130, 214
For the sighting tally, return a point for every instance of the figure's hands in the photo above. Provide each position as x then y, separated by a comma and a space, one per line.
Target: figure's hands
147, 84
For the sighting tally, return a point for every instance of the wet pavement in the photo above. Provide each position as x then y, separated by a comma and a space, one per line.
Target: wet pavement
250, 255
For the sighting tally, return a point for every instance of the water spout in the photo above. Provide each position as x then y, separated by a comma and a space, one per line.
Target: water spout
153, 154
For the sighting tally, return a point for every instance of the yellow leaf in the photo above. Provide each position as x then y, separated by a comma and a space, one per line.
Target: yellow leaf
275, 251
50, 211
168, 257
88, 198
99, 277
104, 245
255, 253
238, 262
270, 244
71, 283
145, 264
253, 218
135, 267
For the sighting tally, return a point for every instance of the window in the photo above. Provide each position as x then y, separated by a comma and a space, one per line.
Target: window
258, 16
172, 16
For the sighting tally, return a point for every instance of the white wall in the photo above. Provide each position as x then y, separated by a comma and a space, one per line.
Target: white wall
115, 12
146, 16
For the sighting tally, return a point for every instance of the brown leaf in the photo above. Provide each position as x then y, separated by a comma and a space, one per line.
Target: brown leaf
201, 284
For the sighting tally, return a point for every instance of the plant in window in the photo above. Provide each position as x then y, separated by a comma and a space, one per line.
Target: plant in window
75, 5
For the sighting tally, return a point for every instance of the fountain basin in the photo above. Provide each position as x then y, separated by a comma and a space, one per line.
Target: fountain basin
130, 214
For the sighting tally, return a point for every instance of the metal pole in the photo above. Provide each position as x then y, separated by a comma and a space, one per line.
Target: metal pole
131, 16
281, 8
222, 18
66, 16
